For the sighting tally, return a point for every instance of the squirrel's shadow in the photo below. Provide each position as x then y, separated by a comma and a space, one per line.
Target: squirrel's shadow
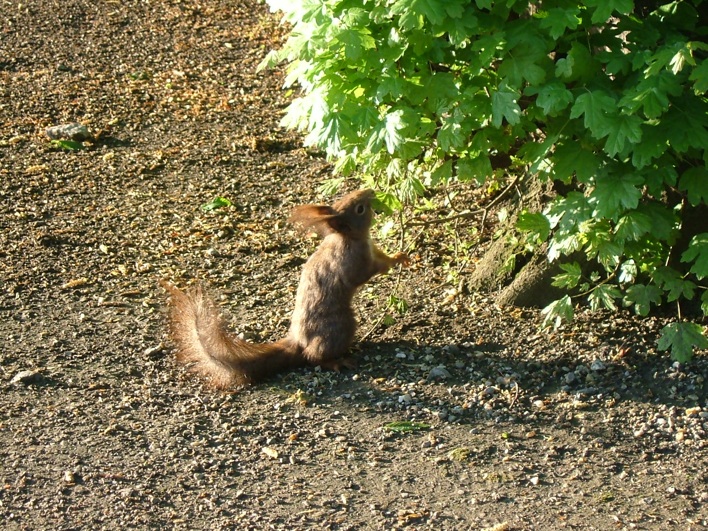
467, 384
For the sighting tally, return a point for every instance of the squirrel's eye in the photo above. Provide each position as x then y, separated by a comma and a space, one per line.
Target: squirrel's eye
360, 209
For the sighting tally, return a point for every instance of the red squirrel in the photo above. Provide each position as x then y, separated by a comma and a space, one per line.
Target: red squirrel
322, 325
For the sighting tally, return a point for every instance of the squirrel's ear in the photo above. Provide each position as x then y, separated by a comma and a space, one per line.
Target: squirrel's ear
320, 218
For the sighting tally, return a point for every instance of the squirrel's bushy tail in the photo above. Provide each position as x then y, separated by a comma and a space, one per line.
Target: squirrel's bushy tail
225, 360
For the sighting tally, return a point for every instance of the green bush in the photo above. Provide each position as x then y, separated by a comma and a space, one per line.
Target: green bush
606, 98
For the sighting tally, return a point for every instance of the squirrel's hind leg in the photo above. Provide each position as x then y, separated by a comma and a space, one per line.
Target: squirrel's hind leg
337, 364
328, 356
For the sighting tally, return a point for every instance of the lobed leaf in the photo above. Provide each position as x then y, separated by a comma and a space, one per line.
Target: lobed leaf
642, 297
682, 338
558, 312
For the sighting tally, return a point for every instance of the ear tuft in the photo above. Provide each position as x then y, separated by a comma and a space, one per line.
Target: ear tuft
320, 218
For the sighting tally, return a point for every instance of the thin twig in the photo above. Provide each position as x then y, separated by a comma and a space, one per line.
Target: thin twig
467, 213
396, 285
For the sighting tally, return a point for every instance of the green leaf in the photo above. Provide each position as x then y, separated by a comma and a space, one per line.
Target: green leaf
700, 78
615, 194
535, 223
333, 129
216, 203
627, 272
609, 253
603, 296
682, 57
686, 126
68, 145
642, 297
406, 426
651, 94
554, 98
694, 182
398, 304
505, 106
356, 42
571, 278
572, 160
580, 63
329, 187
654, 144
558, 20
388, 132
625, 128
433, 10
564, 67
682, 338
386, 202
663, 220
478, 169
522, 62
673, 284
451, 135
598, 109
632, 226
697, 253
604, 9
410, 188
558, 312
441, 174
704, 303
563, 244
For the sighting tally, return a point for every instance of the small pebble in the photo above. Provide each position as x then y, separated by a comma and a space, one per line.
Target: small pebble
27, 377
73, 131
597, 365
405, 399
454, 350
439, 373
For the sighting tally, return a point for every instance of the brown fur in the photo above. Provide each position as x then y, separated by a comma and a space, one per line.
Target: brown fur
322, 326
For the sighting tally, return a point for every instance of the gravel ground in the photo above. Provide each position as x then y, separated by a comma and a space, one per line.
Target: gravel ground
461, 415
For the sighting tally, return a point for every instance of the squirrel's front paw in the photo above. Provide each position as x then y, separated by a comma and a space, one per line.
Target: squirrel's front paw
402, 258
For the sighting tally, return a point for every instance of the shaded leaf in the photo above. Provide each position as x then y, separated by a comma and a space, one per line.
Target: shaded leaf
598, 110
558, 20
642, 297
535, 223
558, 312
682, 338
694, 182
697, 253
505, 106
554, 98
570, 278
603, 296
613, 195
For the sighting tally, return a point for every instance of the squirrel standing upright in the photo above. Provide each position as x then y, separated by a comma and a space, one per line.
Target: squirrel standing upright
323, 324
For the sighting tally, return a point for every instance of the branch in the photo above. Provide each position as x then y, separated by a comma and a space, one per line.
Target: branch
467, 213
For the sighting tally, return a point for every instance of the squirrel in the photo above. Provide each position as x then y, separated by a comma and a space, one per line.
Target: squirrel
323, 324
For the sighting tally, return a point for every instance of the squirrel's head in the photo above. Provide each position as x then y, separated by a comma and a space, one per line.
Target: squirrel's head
351, 216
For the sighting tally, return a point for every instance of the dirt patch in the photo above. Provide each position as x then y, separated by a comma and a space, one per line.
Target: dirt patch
587, 428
